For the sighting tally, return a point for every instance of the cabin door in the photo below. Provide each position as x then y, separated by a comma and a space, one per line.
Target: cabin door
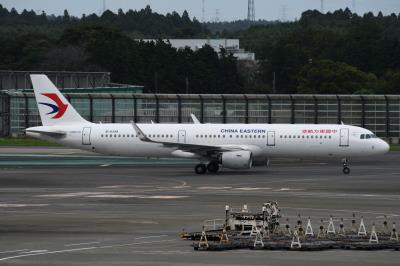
271, 138
182, 136
344, 137
86, 135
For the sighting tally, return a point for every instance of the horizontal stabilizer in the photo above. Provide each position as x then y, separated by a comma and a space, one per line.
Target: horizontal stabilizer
46, 131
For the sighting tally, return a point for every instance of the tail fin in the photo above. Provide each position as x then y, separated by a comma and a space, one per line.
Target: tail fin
54, 109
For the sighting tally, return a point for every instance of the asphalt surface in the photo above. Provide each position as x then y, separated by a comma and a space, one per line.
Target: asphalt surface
78, 209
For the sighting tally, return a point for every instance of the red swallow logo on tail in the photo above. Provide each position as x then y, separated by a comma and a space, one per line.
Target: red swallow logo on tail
58, 108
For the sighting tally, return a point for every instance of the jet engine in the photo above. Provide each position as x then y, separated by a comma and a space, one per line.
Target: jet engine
236, 159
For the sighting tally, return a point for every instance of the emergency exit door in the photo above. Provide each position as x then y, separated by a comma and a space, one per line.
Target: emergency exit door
271, 138
86, 135
344, 137
182, 136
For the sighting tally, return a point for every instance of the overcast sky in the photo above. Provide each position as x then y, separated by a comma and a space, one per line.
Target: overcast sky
228, 9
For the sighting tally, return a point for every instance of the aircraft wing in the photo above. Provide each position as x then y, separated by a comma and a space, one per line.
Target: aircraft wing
203, 150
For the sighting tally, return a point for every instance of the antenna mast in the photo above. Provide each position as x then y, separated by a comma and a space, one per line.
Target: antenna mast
251, 11
203, 11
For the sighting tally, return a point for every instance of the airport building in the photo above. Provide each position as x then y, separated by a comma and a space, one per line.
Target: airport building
230, 45
99, 100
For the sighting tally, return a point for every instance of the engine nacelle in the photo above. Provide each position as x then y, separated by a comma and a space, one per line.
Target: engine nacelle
237, 159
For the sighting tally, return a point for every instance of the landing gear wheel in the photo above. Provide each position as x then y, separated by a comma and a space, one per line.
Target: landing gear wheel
213, 167
200, 169
346, 170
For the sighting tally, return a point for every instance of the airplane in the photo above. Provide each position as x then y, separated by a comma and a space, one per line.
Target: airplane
231, 146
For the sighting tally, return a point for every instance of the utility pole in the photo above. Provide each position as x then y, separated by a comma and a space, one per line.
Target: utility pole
251, 11
283, 13
216, 15
156, 82
322, 6
274, 83
203, 11
187, 85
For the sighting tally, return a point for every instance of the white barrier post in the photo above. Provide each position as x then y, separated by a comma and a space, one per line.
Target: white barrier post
374, 236
309, 229
361, 230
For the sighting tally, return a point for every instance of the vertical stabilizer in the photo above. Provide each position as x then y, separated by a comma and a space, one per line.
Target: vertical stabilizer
54, 109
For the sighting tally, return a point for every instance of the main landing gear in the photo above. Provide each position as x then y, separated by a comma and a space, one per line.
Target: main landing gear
346, 169
212, 167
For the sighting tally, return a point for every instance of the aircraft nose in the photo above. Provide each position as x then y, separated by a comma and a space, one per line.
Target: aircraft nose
384, 146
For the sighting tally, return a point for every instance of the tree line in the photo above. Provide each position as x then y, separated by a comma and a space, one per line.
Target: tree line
338, 52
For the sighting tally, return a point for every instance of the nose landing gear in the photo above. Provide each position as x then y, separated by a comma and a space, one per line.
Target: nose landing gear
346, 169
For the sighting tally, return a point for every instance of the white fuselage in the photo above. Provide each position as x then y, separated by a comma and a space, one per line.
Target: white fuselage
263, 140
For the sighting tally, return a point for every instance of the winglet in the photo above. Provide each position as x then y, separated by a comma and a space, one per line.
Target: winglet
140, 133
195, 120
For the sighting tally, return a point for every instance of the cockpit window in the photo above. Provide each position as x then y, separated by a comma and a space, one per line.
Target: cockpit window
368, 136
